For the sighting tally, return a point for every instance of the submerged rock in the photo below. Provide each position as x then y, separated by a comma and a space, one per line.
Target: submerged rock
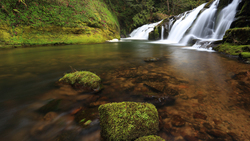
160, 101
151, 59
52, 105
150, 138
128, 120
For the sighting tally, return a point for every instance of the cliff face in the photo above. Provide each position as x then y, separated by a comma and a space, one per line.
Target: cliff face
40, 22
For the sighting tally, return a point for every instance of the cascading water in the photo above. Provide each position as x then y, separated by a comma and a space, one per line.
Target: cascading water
181, 26
205, 28
208, 26
226, 18
202, 28
141, 33
162, 32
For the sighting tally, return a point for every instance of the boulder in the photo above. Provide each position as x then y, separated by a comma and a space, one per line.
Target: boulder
128, 120
82, 79
150, 138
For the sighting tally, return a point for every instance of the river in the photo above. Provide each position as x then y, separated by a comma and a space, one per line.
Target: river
206, 83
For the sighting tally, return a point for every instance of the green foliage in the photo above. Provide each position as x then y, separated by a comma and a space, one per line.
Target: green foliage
84, 78
38, 13
232, 49
134, 13
43, 22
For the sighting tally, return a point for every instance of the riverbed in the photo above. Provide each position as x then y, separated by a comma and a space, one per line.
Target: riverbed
210, 90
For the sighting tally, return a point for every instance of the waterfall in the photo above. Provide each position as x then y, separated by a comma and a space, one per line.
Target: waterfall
162, 32
202, 25
226, 18
181, 26
141, 33
206, 29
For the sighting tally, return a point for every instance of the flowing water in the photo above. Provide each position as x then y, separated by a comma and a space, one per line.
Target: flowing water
204, 82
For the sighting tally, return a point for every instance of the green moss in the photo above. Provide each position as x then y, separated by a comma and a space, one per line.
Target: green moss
155, 34
56, 22
128, 120
245, 54
85, 78
150, 138
87, 122
208, 4
237, 36
231, 49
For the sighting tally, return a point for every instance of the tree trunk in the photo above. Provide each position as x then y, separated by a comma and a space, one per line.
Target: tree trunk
168, 5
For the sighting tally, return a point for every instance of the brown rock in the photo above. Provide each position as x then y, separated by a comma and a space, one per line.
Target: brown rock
167, 127
98, 103
216, 133
175, 132
202, 136
179, 138
216, 121
50, 116
197, 115
190, 138
207, 125
233, 136
177, 121
196, 126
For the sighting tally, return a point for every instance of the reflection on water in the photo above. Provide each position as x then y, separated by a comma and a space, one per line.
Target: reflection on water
28, 76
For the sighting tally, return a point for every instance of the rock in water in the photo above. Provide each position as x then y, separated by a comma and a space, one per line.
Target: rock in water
151, 59
150, 138
82, 79
128, 120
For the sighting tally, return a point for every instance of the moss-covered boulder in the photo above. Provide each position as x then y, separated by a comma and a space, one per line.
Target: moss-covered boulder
82, 79
237, 36
232, 49
150, 138
128, 120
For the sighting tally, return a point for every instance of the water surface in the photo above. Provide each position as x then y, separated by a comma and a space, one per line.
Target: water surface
28, 78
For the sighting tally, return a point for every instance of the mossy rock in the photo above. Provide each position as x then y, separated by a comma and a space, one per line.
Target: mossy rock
209, 4
128, 120
245, 54
232, 49
82, 78
150, 138
237, 36
155, 34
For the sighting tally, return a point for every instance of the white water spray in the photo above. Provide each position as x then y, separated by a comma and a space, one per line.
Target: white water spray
162, 32
205, 28
141, 33
181, 26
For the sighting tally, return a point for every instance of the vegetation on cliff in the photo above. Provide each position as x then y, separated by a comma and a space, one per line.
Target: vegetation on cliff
34, 22
134, 13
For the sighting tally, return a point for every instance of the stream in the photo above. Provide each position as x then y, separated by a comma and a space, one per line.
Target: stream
206, 84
